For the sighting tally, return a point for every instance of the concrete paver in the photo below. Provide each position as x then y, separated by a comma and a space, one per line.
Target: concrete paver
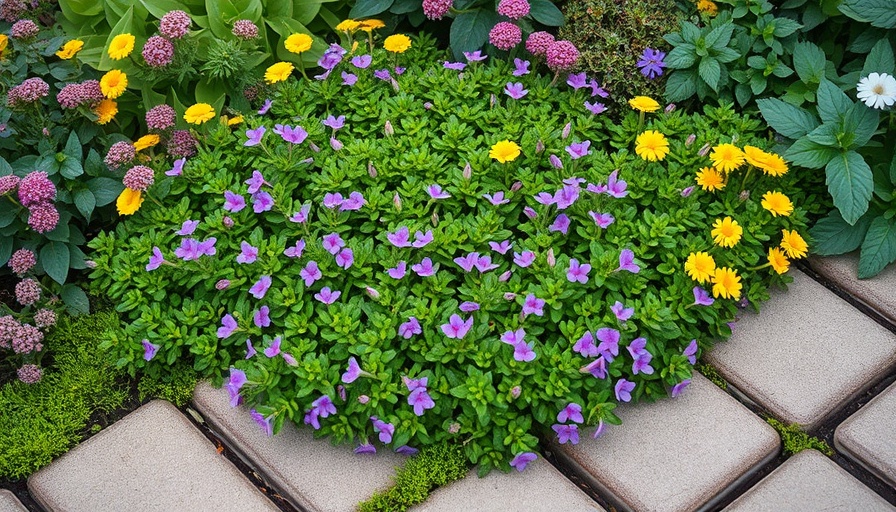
9, 502
869, 436
877, 292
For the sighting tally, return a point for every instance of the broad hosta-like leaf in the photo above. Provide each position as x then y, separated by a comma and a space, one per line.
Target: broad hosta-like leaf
833, 235
850, 183
879, 247
788, 120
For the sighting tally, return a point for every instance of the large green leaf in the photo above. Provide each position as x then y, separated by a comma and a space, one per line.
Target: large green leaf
5, 249
859, 125
85, 202
811, 155
470, 31
850, 183
366, 8
880, 13
125, 25
832, 102
880, 59
681, 57
833, 235
75, 300
788, 120
879, 247
809, 62
711, 72
54, 257
681, 85
105, 190
546, 13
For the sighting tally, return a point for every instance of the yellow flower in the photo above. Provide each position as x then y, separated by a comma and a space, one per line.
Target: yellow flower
129, 201
397, 43
298, 43
700, 266
652, 145
710, 179
726, 232
504, 151
368, 25
726, 157
4, 41
778, 260
70, 48
755, 156
199, 113
708, 7
105, 111
644, 104
794, 244
774, 165
278, 72
121, 46
348, 26
113, 84
147, 141
234, 121
777, 203
726, 283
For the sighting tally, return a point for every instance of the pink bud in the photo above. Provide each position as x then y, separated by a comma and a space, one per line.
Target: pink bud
89, 263
492, 100
227, 221
313, 147
335, 144
509, 296
556, 163
427, 105
687, 191
435, 218
551, 260
223, 284
539, 146
309, 160
567, 130
468, 172
363, 399
670, 108
516, 186
390, 131
744, 195
532, 214
704, 150
340, 390
504, 277
371, 170
515, 391
373, 293
46, 132
690, 140
454, 428
396, 201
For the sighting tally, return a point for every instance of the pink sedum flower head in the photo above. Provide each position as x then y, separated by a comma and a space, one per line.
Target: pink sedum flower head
436, 9
505, 35
22, 261
158, 52
513, 9
538, 43
175, 24
561, 55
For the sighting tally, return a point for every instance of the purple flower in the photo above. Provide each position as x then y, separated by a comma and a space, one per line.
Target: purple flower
324, 405
262, 202
515, 90
385, 430
533, 305
407, 450
398, 271
556, 163
577, 80
598, 368
601, 427
525, 259
636, 347
469, 307
651, 63
292, 135
207, 247
484, 264
187, 228
422, 239
597, 90
501, 247
400, 238
255, 136
382, 74
332, 200
561, 224
155, 260
301, 216
622, 313
409, 328
266, 424
623, 390
566, 197
296, 250
585, 345
577, 272
333, 243
265, 107
702, 298
250, 350
233, 202
572, 412
260, 288
327, 296
521, 67
290, 360
609, 343
310, 273
467, 262
353, 372
642, 364
456, 66
399, 70
248, 254
523, 352
603, 220
687, 191
262, 317
567, 433
255, 182
627, 262
678, 388
234, 383
436, 192
596, 107
475, 56
514, 337
349, 79
691, 351
574, 181
457, 327
178, 168
149, 350
188, 250
544, 198
365, 448
579, 149
274, 349
228, 325
420, 399
336, 123
497, 199
529, 212
615, 186
345, 258
362, 61
523, 459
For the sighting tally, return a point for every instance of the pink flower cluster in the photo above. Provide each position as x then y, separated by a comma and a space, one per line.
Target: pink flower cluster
27, 292
160, 118
174, 24
12, 10
181, 144
76, 95
513, 9
45, 318
562, 55
8, 183
36, 192
505, 35
158, 52
22, 261
120, 154
29, 374
21, 338
23, 29
139, 178
436, 9
29, 91
246, 30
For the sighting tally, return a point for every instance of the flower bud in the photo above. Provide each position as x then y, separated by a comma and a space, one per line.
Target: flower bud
435, 218
670, 108
227, 221
744, 195
372, 292
223, 284
396, 201
556, 163
492, 100
567, 130
704, 150
516, 186
313, 147
687, 191
454, 428
335, 144
308, 160
539, 147
427, 105
551, 259
504, 277
515, 391
363, 399
371, 170
468, 172
690, 140
340, 390
390, 131
530, 213
509, 296
89, 263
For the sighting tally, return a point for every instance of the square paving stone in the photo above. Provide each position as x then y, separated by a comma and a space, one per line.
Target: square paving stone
152, 460
805, 354
677, 454
879, 292
311, 473
869, 436
809, 482
538, 488
9, 502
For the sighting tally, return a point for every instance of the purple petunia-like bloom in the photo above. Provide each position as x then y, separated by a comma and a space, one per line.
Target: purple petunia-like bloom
585, 345
435, 191
598, 368
609, 343
627, 262
691, 352
234, 383
521, 67
262, 202
332, 200
345, 258
250, 350
544, 198
301, 216
702, 298
400, 238
292, 135
566, 433
362, 61
561, 224
572, 412
265, 107
595, 108
155, 260
520, 461
178, 167
497, 199
501, 247
310, 273
248, 254
333, 243
484, 264
601, 427
336, 123
382, 74
274, 349
425, 268
457, 327
622, 313
354, 371
385, 430
296, 250
260, 288
530, 213
603, 220
255, 182
577, 80
467, 262
327, 296
515, 90
398, 271
678, 388
254, 136
523, 352
365, 448
422, 239
616, 187
233, 202
566, 197
597, 90
475, 56
262, 317
579, 149
514, 337
651, 63
623, 389
687, 191
266, 424
228, 326
532, 305
187, 228
577, 272
469, 307
410, 328
455, 66
420, 400
149, 350
525, 259
349, 79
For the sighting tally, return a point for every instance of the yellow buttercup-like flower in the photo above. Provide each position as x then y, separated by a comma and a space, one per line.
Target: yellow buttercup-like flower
710, 179
777, 203
755, 156
348, 26
129, 201
234, 120
774, 165
199, 113
368, 25
778, 260
105, 111
278, 72
794, 244
726, 157
147, 141
652, 145
644, 104
4, 42
726, 232
726, 283
397, 43
700, 266
707, 7
70, 48
298, 43
121, 46
504, 151
113, 84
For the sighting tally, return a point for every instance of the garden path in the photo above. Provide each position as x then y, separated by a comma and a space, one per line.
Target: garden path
822, 355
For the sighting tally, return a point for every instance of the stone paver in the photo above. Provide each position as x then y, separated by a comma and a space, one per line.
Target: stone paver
539, 488
807, 353
309, 472
809, 482
677, 454
152, 460
877, 292
869, 436
9, 502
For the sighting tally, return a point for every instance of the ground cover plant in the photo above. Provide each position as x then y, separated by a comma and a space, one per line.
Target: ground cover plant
413, 250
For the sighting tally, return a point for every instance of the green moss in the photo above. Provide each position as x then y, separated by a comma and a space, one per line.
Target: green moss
176, 385
41, 421
795, 440
712, 374
433, 467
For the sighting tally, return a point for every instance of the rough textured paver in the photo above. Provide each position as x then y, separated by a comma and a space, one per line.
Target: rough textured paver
539, 488
311, 473
877, 292
809, 482
677, 454
806, 354
9, 502
869, 436
152, 460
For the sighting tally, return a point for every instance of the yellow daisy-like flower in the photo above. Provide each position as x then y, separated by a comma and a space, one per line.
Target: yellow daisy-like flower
397, 43
794, 244
755, 156
4, 42
121, 46
726, 157
298, 43
278, 72
652, 145
778, 260
710, 179
105, 111
644, 104
129, 201
504, 151
348, 26
726, 283
147, 141
774, 165
69, 49
726, 232
368, 25
700, 266
234, 120
199, 113
113, 84
708, 7
777, 203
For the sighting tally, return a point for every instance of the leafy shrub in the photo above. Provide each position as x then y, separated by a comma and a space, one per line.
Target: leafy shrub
398, 254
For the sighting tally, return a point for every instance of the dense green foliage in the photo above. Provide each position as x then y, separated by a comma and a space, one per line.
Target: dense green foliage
795, 440
176, 385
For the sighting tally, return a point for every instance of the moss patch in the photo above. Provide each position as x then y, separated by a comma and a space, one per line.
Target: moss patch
795, 440
176, 385
712, 374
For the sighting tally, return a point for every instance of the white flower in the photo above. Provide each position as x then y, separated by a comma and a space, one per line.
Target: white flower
877, 90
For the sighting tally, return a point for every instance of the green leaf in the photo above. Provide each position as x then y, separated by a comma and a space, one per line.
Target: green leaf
879, 247
785, 26
105, 190
546, 13
8, 215
833, 235
5, 249
75, 300
811, 155
711, 72
681, 85
880, 59
159, 8
470, 31
880, 13
809, 62
788, 120
850, 183
85, 202
366, 8
860, 123
681, 57
832, 102
826, 135
719, 37
54, 257
71, 167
